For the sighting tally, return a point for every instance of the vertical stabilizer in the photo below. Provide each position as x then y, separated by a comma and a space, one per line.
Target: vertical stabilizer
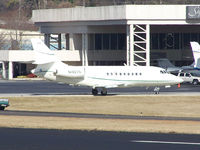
43, 54
165, 63
196, 54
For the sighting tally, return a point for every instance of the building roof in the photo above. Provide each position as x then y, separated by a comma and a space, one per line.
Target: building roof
140, 14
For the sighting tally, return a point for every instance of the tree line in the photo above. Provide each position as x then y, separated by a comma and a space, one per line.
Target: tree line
40, 4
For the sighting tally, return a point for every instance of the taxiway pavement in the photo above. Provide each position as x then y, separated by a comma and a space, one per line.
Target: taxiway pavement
38, 88
40, 139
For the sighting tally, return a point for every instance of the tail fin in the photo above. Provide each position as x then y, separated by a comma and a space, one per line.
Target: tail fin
43, 54
196, 53
164, 63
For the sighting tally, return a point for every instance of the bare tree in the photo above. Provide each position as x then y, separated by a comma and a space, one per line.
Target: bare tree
2, 40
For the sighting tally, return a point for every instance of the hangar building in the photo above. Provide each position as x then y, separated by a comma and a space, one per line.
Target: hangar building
118, 35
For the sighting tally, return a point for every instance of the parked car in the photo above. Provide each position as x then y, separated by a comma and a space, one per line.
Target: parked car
189, 77
4, 103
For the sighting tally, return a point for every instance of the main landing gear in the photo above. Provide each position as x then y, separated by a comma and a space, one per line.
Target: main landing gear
95, 91
157, 90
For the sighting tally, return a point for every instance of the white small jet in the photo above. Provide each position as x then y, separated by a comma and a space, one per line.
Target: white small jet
169, 67
103, 77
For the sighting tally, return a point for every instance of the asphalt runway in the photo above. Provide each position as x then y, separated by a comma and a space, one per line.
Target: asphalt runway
35, 88
39, 139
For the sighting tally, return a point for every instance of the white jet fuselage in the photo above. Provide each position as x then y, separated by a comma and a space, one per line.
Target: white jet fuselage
106, 76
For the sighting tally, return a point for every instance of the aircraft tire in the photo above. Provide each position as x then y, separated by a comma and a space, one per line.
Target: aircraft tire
195, 82
103, 92
94, 91
2, 108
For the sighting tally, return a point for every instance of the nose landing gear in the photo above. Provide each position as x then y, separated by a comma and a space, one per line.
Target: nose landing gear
94, 91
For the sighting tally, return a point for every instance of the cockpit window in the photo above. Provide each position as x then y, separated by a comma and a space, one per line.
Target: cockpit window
163, 71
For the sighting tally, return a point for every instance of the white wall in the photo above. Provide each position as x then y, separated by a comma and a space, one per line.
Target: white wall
63, 55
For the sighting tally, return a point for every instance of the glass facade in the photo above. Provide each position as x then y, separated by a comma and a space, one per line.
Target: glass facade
177, 41
161, 44
110, 41
159, 41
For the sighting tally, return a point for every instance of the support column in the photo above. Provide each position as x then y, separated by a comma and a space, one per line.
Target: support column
147, 45
85, 49
10, 70
67, 41
131, 45
3, 70
59, 42
71, 41
127, 45
138, 52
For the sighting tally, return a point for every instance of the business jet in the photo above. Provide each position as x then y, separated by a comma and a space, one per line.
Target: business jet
98, 77
169, 67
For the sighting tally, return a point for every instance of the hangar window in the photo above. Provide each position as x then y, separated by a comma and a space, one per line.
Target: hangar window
165, 41
107, 41
106, 38
98, 41
113, 41
154, 41
186, 40
160, 41
122, 41
194, 37
177, 41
